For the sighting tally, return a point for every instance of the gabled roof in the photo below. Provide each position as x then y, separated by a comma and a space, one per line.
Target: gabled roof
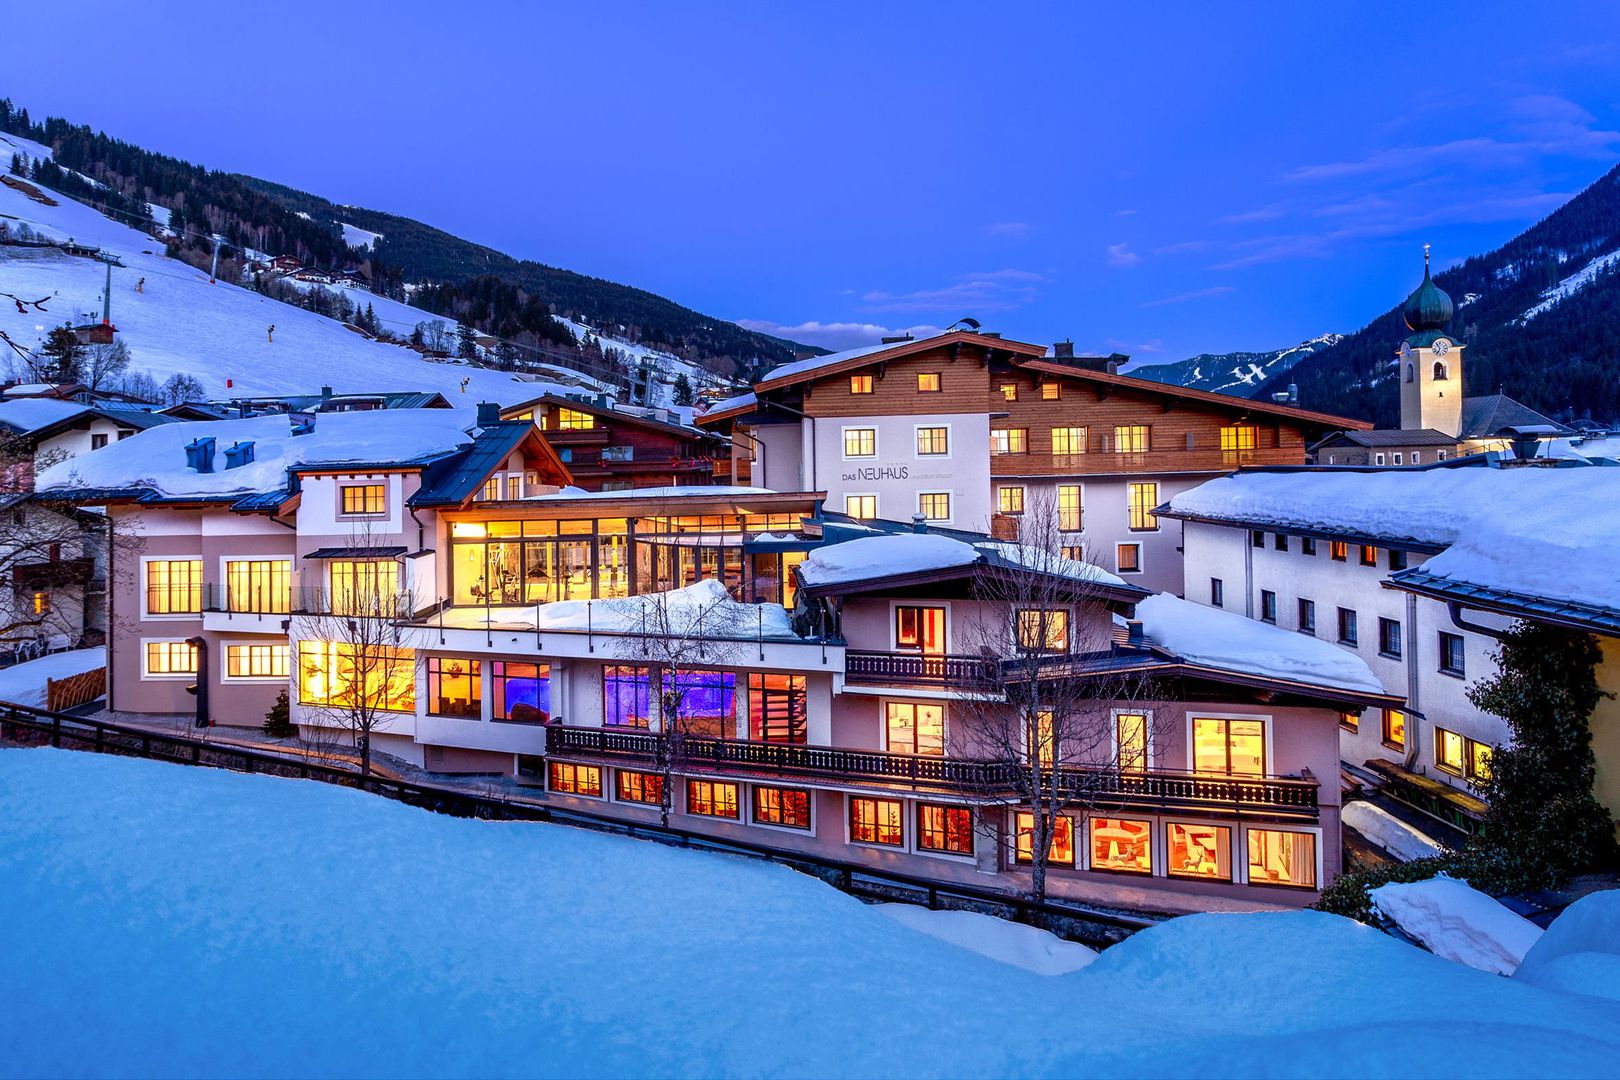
1484, 417
1390, 437
1573, 614
608, 412
454, 479
728, 408
818, 367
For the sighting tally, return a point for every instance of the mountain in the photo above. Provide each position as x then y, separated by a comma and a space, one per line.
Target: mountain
1540, 316
1239, 373
492, 291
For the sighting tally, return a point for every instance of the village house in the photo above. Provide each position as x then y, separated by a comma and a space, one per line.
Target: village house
612, 447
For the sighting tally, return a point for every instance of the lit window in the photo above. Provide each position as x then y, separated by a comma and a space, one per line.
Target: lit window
934, 505
933, 441
365, 586
915, 727
1229, 747
347, 675
1122, 844
455, 687
1479, 761
945, 828
778, 709
1369, 555
368, 500
1043, 736
787, 807
1199, 851
491, 491
1043, 630
1143, 498
174, 587
626, 696
1009, 441
1051, 391
1237, 443
1010, 499
921, 628
1131, 438
570, 779
638, 787
860, 442
1009, 391
1339, 550
711, 798
1395, 729
876, 821
1350, 721
171, 658
1068, 441
860, 384
1389, 638
269, 661
1071, 513
514, 487
574, 420
522, 692
1131, 740
1061, 851
1128, 558
1448, 751
928, 382
259, 585
41, 603
1452, 660
1282, 857
861, 506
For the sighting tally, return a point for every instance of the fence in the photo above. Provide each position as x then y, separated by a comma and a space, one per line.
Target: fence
20, 723
78, 689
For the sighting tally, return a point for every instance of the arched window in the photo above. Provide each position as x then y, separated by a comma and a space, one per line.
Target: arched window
1411, 373
1439, 371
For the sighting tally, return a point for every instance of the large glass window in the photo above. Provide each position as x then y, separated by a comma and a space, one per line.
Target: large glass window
259, 585
455, 687
1131, 438
1143, 498
917, 627
861, 384
945, 828
861, 506
267, 661
1071, 511
711, 798
1237, 443
787, 807
777, 708
570, 779
934, 505
1448, 751
574, 420
1229, 747
1068, 441
364, 500
365, 586
876, 821
860, 442
1009, 441
174, 587
933, 441
915, 727
1010, 499
342, 674
638, 787
1282, 857
1061, 852
1199, 851
1131, 738
627, 696
522, 691
706, 700
171, 658
1122, 844
1043, 630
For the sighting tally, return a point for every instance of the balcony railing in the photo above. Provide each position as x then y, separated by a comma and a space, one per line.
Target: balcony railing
920, 670
1146, 789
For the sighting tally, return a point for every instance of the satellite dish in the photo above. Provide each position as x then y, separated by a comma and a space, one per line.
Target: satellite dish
967, 321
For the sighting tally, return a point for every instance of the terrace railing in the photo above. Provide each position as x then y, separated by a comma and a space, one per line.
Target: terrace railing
920, 669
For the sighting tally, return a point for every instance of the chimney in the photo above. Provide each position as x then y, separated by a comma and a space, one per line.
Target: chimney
898, 339
1133, 633
200, 454
489, 413
239, 454
326, 393
1293, 393
919, 523
1063, 350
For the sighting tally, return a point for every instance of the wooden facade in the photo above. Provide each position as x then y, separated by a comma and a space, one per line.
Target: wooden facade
606, 449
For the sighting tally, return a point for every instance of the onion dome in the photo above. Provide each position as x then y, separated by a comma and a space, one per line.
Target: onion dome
1428, 308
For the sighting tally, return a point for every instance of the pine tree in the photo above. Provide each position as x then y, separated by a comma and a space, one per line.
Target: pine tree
466, 348
278, 720
62, 355
683, 389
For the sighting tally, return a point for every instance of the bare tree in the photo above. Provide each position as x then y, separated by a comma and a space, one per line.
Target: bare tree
1059, 721
102, 365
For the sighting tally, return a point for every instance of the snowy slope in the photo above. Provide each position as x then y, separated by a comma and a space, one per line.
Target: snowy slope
358, 238
162, 907
1573, 284
181, 323
1239, 373
666, 365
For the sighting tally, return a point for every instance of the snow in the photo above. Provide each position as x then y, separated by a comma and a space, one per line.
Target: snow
702, 609
16, 144
160, 214
1027, 947
1045, 561
666, 366
358, 238
1457, 922
28, 414
156, 458
162, 908
1226, 640
729, 403
1572, 284
24, 684
815, 363
884, 556
1402, 841
1580, 952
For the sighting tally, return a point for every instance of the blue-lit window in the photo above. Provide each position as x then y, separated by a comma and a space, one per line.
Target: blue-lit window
522, 692
627, 696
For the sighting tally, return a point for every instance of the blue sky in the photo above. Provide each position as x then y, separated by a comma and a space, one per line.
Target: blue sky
1158, 179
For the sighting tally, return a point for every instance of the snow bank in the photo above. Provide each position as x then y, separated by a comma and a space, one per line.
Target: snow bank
882, 556
1458, 922
1580, 952
1404, 842
156, 458
24, 684
1515, 550
1027, 947
1047, 562
162, 904
1226, 640
702, 609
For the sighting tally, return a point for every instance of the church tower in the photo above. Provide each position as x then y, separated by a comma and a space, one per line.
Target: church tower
1431, 364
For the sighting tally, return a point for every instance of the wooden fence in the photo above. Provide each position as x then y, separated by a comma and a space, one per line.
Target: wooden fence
86, 686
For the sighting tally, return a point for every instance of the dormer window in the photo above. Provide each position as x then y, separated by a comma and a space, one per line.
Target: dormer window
364, 500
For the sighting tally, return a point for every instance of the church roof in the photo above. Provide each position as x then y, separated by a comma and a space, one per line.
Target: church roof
1486, 416
1380, 437
1428, 308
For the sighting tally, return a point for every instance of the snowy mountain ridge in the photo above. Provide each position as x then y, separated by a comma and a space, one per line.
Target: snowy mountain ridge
1238, 373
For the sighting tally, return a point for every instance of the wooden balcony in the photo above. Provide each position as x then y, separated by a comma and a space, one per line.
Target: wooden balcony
1150, 462
1148, 790
919, 670
52, 573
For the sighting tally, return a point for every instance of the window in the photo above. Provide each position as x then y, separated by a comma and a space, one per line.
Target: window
1061, 851
364, 500
876, 821
522, 692
1010, 499
1009, 391
1416, 457
860, 442
626, 696
1378, 459
455, 687
1338, 550
364, 586
342, 674
570, 779
1389, 638
1042, 738
1282, 857
174, 587
259, 585
1143, 498
1237, 443
934, 505
491, 491
1131, 740
1440, 455
1071, 509
1257, 539
1199, 851
1009, 441
915, 728
1131, 438
1307, 616
1043, 630
1411, 372
1217, 592
1068, 441
1448, 751
1279, 541
861, 506
171, 658
702, 701
711, 798
1229, 747
1051, 391
945, 828
1121, 845
1479, 761
860, 384
1350, 721
787, 807
638, 787
920, 628
1073, 552
40, 602
1439, 371
1268, 606
574, 420
1397, 457
927, 382
1128, 558
1347, 627
1369, 555
1451, 654
269, 661
124, 433
98, 441
777, 709
1395, 729
1307, 545
1397, 559
933, 441
514, 487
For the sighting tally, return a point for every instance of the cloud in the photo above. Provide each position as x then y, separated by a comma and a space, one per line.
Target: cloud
1009, 230
971, 294
1250, 217
1124, 213
1197, 294
1129, 348
1181, 247
835, 335
1122, 255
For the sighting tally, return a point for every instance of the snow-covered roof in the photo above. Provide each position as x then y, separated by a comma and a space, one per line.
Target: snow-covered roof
1211, 637
685, 491
727, 404
155, 459
703, 609
30, 414
874, 558
814, 363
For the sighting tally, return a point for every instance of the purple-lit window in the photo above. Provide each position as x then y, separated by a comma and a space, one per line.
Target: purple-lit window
626, 696
706, 701
522, 692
